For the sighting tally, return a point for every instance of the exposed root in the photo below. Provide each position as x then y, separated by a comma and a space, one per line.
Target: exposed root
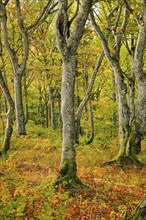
68, 182
123, 161
110, 162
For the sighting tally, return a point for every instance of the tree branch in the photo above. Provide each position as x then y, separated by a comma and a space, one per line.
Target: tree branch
102, 38
76, 13
89, 90
5, 90
3, 18
24, 36
78, 29
47, 10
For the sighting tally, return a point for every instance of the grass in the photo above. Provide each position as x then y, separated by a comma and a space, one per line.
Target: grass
33, 163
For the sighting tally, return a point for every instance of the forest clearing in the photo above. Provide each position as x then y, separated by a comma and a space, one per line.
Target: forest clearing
33, 164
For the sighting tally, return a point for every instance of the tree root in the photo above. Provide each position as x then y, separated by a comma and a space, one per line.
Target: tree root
110, 162
124, 161
140, 212
68, 182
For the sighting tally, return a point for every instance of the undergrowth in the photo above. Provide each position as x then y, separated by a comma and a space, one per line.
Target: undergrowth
32, 165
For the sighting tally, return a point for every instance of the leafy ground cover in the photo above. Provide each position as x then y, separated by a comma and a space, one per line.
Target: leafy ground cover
32, 165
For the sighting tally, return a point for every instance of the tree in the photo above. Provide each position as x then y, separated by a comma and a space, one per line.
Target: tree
87, 97
69, 33
19, 59
140, 213
17, 68
10, 113
139, 120
129, 125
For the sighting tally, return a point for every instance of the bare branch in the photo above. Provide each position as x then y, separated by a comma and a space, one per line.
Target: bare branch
131, 11
24, 36
78, 29
118, 18
127, 45
102, 38
128, 6
5, 90
19, 16
3, 18
112, 12
76, 13
88, 92
125, 20
47, 10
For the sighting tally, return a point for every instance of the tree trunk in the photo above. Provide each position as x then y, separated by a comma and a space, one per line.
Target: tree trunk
128, 125
87, 96
68, 162
18, 69
91, 123
2, 122
20, 118
140, 213
10, 113
51, 100
26, 100
138, 121
68, 42
47, 114
59, 111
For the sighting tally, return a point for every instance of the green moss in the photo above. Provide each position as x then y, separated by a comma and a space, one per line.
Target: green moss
64, 167
68, 175
68, 168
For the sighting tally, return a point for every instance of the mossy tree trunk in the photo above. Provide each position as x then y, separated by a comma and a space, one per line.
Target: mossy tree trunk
138, 122
131, 118
68, 41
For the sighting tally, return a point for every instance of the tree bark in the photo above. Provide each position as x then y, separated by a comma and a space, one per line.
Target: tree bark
10, 113
26, 100
91, 138
68, 42
87, 96
138, 64
51, 100
127, 123
20, 118
19, 67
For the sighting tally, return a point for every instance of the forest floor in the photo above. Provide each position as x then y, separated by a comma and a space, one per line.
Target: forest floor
33, 163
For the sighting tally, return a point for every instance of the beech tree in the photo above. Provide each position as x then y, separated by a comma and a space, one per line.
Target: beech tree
19, 60
86, 99
131, 118
10, 113
69, 32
